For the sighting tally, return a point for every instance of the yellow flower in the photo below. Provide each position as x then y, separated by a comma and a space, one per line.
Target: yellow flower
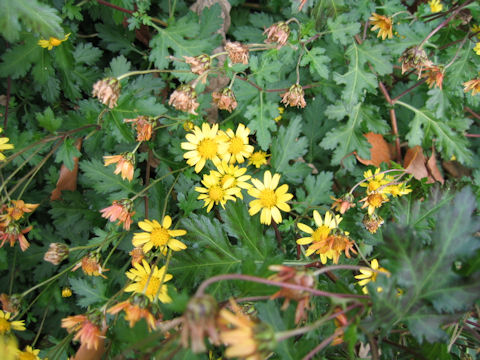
269, 198
226, 172
473, 85
4, 145
66, 292
375, 181
374, 201
319, 236
397, 189
204, 144
215, 191
53, 41
158, 236
367, 275
435, 6
149, 281
281, 110
258, 159
477, 48
384, 24
6, 325
8, 347
238, 148
476, 29
28, 354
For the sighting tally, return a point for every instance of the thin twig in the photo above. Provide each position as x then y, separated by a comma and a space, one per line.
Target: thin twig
278, 236
396, 98
471, 112
323, 344
393, 119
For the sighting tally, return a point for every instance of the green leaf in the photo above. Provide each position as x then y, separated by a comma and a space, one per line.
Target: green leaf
43, 69
119, 66
318, 190
116, 38
210, 20
86, 53
343, 29
88, 291
48, 121
317, 62
66, 152
17, 61
377, 55
261, 115
264, 69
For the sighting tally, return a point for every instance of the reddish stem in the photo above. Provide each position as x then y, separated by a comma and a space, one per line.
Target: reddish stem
319, 265
472, 135
324, 343
385, 93
394, 100
393, 119
147, 181
113, 6
473, 113
278, 236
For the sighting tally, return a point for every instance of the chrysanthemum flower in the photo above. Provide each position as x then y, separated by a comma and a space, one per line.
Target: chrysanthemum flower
367, 275
281, 110
245, 338
87, 332
375, 181
125, 164
107, 91
477, 48
336, 244
149, 281
19, 208
204, 144
320, 234
91, 266
10, 303
294, 96
28, 354
396, 189
374, 200
52, 41
66, 292
158, 236
435, 6
56, 253
473, 85
476, 30
343, 204
12, 233
199, 64
4, 145
121, 211
372, 222
269, 199
339, 321
137, 255
237, 52
238, 148
143, 126
8, 347
226, 172
384, 24
134, 313
6, 325
434, 75
225, 99
258, 158
184, 98
215, 192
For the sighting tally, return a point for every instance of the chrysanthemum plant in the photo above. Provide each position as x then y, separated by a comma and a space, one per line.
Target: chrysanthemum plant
225, 179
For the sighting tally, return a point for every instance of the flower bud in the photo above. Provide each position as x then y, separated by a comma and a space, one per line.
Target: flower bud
414, 57
56, 253
107, 91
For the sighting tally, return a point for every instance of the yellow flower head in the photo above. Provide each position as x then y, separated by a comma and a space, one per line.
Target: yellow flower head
258, 159
476, 29
477, 48
204, 144
4, 145
473, 85
374, 201
435, 6
367, 275
318, 237
226, 172
281, 110
238, 148
217, 191
375, 181
396, 189
53, 41
149, 281
8, 347
269, 198
66, 292
384, 24
6, 325
28, 354
158, 236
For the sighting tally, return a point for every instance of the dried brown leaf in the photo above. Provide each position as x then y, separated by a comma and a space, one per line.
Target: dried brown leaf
379, 152
67, 180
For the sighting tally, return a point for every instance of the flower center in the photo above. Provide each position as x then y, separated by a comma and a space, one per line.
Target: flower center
208, 148
321, 233
216, 193
268, 198
160, 237
153, 285
373, 185
4, 326
375, 200
236, 145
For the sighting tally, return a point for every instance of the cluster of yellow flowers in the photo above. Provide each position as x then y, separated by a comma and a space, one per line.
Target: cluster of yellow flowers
8, 343
224, 149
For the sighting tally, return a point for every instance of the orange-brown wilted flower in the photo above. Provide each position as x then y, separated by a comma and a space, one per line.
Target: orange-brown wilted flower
245, 338
10, 304
237, 52
225, 99
473, 85
12, 233
372, 222
340, 321
91, 266
293, 276
416, 58
107, 91
56, 253
184, 98
343, 203
278, 33
134, 312
434, 75
86, 330
137, 255
122, 211
16, 211
125, 164
384, 24
199, 320
143, 126
199, 64
294, 96
338, 243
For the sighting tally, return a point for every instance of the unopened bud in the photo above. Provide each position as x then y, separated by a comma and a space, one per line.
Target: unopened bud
56, 253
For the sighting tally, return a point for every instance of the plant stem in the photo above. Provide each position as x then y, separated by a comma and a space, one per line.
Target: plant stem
394, 100
12, 271
156, 181
130, 12
323, 344
25, 293
343, 267
457, 52
41, 326
141, 72
201, 289
398, 150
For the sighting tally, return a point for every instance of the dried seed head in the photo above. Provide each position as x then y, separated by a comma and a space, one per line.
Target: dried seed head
225, 100
372, 222
237, 52
278, 33
416, 58
107, 91
199, 64
294, 96
56, 253
184, 99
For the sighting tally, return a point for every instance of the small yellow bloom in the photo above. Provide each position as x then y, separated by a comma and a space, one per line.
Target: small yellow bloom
216, 191
4, 145
476, 30
382, 23
281, 110
269, 199
374, 201
149, 281
6, 325
28, 354
238, 148
477, 48
53, 41
375, 181
258, 158
367, 275
66, 292
435, 6
158, 236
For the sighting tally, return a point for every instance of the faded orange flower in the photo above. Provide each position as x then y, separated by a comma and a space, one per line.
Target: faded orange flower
120, 210
473, 85
294, 96
184, 98
383, 24
12, 233
134, 313
199, 64
125, 164
225, 100
343, 204
278, 33
107, 91
15, 211
91, 266
143, 126
434, 75
87, 332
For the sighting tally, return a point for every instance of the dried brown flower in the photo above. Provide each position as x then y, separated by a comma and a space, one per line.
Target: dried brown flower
294, 96
107, 91
237, 52
434, 75
184, 99
199, 64
56, 253
343, 203
143, 126
372, 222
416, 58
278, 33
225, 99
